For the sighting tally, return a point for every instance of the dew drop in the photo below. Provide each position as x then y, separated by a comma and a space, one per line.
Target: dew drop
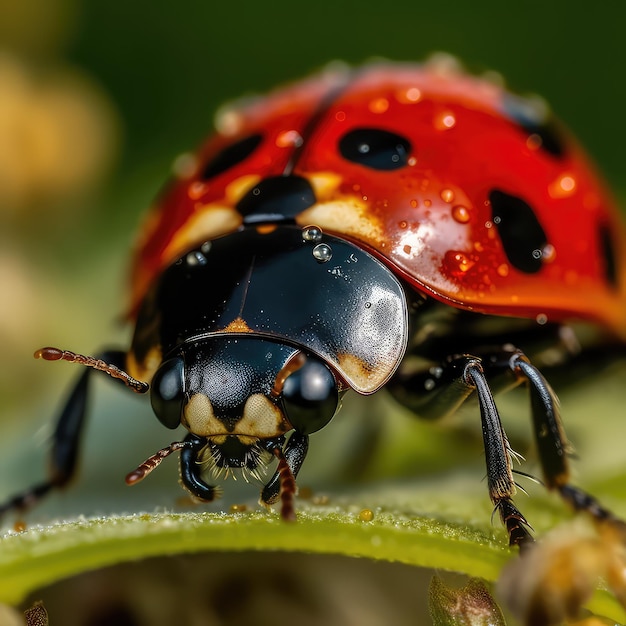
548, 254
427, 203
460, 214
447, 195
562, 187
445, 121
403, 224
458, 263
340, 116
503, 270
312, 234
542, 319
414, 203
238, 508
413, 94
195, 258
322, 253
196, 190
379, 105
366, 515
289, 139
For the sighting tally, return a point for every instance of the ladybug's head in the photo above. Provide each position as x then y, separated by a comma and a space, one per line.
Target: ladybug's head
241, 394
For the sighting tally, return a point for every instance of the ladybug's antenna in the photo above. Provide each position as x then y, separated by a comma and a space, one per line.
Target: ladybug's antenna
287, 487
55, 354
152, 462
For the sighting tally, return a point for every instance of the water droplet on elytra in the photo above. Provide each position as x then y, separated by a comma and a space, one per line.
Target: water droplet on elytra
457, 262
548, 254
322, 252
447, 195
460, 214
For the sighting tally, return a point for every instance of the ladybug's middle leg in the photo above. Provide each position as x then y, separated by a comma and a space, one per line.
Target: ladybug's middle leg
447, 388
441, 390
552, 445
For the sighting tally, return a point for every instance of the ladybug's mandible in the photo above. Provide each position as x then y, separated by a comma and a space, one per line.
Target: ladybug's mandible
330, 233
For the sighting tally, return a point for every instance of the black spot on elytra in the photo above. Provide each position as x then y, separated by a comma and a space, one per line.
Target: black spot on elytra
375, 148
534, 122
607, 248
522, 236
231, 156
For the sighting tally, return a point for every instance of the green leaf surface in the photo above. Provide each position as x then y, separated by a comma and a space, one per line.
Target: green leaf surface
39, 556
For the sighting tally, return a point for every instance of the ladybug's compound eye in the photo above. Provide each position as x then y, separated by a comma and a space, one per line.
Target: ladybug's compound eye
168, 391
375, 148
231, 156
310, 396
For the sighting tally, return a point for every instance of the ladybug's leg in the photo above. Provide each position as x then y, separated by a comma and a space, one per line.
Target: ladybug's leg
441, 391
294, 453
65, 439
498, 452
552, 445
191, 470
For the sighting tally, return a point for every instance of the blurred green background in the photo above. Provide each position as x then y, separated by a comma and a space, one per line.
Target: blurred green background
97, 97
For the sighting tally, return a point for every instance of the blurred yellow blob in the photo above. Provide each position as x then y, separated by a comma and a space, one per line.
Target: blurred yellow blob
58, 135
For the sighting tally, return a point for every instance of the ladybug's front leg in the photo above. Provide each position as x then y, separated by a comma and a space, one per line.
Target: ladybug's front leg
69, 426
191, 470
295, 452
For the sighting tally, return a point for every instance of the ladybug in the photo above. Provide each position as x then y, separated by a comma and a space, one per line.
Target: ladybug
395, 225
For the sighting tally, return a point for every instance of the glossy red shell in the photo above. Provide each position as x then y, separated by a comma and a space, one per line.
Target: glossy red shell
431, 221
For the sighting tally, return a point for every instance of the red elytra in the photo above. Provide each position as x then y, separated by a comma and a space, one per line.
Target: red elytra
431, 220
